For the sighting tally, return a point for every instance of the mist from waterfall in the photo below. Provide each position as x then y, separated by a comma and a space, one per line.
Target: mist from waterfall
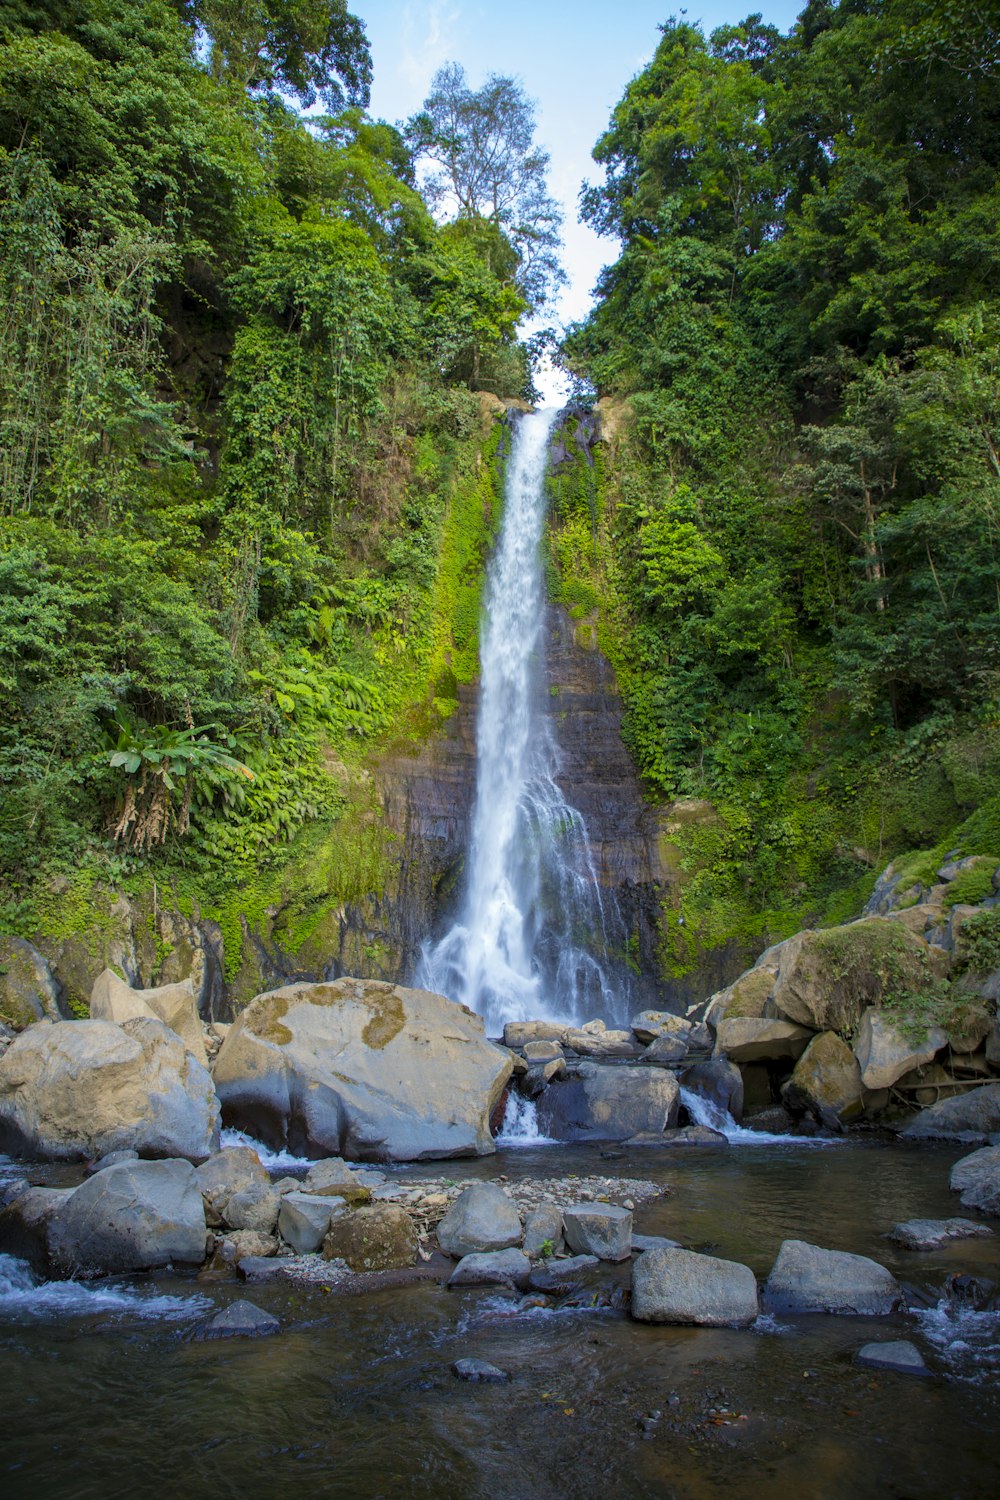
533, 937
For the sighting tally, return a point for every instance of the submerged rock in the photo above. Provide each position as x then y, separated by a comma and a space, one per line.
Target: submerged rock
81, 1089
131, 1217
976, 1179
481, 1218
895, 1354
240, 1320
678, 1286
492, 1268
479, 1372
364, 1069
931, 1234
27, 1222
808, 1279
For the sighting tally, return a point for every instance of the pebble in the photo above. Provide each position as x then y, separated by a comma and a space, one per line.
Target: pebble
479, 1372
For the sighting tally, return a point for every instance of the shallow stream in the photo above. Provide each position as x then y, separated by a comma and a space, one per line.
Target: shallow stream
105, 1394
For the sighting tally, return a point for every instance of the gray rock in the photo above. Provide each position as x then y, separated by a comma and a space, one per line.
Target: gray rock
77, 1090
27, 1224
332, 1173
492, 1268
234, 1170
519, 1033
247, 1244
884, 1054
609, 1104
543, 1052
720, 1082
895, 1354
664, 1051
363, 1069
971, 1116
931, 1234
643, 1242
253, 1208
111, 1160
751, 1039
600, 1229
808, 1279
678, 1286
604, 1043
651, 1024
28, 992
304, 1219
481, 1218
479, 1372
976, 1179
240, 1320
174, 1004
572, 1265
536, 1079
685, 1135
131, 1218
543, 1226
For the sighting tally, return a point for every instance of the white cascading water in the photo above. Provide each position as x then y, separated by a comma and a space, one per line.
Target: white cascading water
532, 939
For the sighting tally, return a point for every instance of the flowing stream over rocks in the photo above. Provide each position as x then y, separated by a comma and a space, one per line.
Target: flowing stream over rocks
534, 938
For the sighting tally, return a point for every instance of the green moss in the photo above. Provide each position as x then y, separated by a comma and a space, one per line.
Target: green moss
750, 993
974, 884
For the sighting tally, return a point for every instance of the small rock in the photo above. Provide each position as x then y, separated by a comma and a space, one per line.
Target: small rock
331, 1173
895, 1354
479, 1372
643, 1242
111, 1160
543, 1230
380, 1238
240, 1320
931, 1234
492, 1268
304, 1220
481, 1218
600, 1229
248, 1244
255, 1208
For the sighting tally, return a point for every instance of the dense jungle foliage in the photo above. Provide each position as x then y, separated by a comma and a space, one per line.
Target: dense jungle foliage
798, 546
245, 480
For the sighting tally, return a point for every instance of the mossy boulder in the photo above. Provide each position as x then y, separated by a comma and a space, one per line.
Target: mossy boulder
826, 1083
28, 990
380, 1238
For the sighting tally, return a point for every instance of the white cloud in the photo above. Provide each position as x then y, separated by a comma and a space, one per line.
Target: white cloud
429, 38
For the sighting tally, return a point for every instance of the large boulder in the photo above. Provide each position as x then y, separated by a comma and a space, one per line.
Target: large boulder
751, 1039
826, 1083
28, 991
828, 978
977, 1179
609, 1104
175, 1005
131, 1217
481, 1218
81, 1089
379, 1238
600, 1229
884, 1053
678, 1286
808, 1279
970, 1116
363, 1069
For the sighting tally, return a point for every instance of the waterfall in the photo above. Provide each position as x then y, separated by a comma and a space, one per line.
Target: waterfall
532, 939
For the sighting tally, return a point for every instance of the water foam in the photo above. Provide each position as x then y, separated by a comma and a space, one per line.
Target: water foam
22, 1294
274, 1161
702, 1111
520, 1124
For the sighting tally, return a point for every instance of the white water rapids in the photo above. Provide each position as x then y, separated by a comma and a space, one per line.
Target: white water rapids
531, 940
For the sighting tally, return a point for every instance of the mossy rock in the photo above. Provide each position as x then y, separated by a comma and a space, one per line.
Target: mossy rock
750, 994
28, 991
380, 1238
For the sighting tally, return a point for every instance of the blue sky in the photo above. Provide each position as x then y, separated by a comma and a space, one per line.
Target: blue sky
574, 60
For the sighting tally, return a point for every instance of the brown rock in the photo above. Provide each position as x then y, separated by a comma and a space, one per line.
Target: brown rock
380, 1238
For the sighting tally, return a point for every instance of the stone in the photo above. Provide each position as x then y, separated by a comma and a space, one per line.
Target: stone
78, 1090
826, 979
748, 1039
686, 1135
479, 1372
609, 1104
825, 1083
884, 1054
379, 1238
931, 1234
719, 1083
174, 1004
363, 1069
304, 1220
28, 991
492, 1268
481, 1218
247, 1244
968, 1032
543, 1052
543, 1227
976, 1178
520, 1033
643, 1242
111, 1160
665, 1050
243, 1320
678, 1286
329, 1175
895, 1354
970, 1116
232, 1170
601, 1229
601, 1043
131, 1217
253, 1208
537, 1078
808, 1279
26, 1226
650, 1024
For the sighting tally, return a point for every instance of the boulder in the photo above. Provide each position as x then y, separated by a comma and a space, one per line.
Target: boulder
481, 1218
719, 1083
543, 1227
931, 1234
329, 1176
600, 1229
825, 1083
364, 1069
28, 991
379, 1238
808, 1279
970, 1116
253, 1208
131, 1217
895, 1354
174, 1004
519, 1033
650, 1024
884, 1054
230, 1171
747, 1039
305, 1218
537, 1078
543, 1052
665, 1050
26, 1225
828, 978
976, 1179
80, 1089
492, 1268
601, 1043
240, 1320
678, 1286
609, 1104
247, 1244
